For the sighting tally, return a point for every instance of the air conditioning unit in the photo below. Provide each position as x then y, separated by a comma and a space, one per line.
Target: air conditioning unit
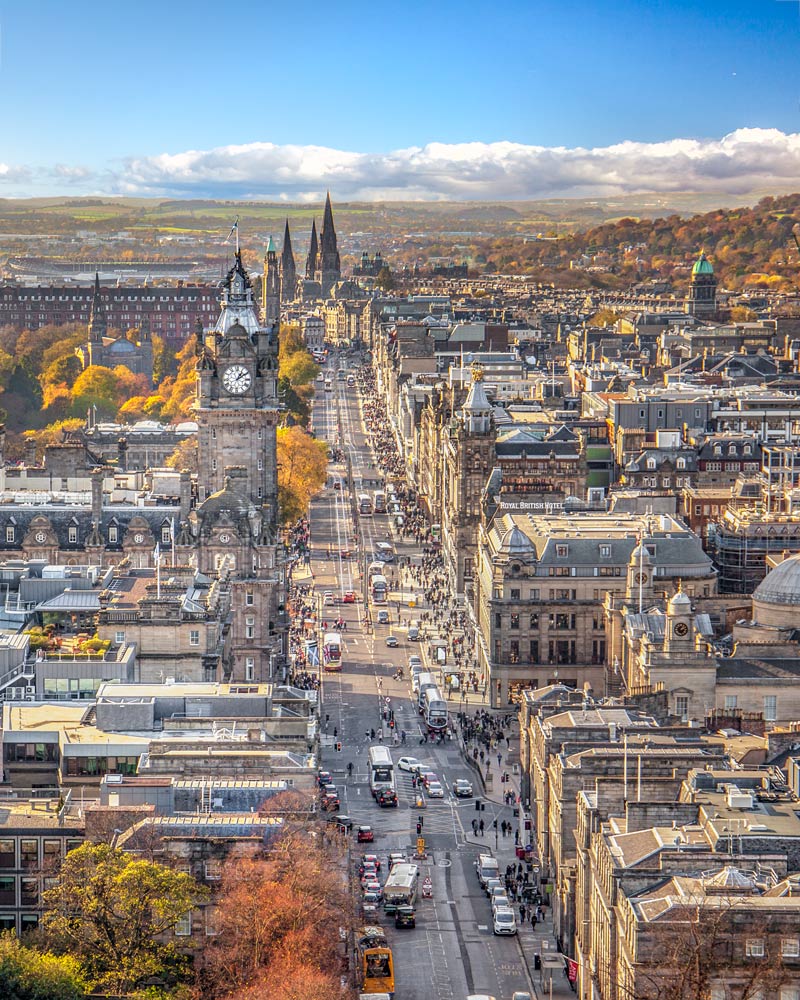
30, 691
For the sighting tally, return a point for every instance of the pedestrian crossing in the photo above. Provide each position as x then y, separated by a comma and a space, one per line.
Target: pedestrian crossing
437, 814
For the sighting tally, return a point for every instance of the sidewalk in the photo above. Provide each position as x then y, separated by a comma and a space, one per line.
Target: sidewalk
534, 941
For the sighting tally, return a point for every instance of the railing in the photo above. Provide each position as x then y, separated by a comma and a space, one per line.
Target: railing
21, 670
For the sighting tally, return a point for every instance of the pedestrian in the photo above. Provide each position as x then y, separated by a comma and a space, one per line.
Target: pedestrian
480, 827
533, 917
475, 827
522, 913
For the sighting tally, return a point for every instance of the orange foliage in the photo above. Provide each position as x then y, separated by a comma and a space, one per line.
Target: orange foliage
277, 918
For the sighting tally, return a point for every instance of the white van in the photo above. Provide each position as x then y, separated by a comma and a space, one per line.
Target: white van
487, 868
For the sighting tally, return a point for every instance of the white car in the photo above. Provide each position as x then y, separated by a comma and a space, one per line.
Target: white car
504, 921
414, 661
410, 764
327, 597
435, 790
500, 902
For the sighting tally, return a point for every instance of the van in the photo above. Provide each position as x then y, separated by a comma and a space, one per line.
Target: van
487, 868
413, 630
415, 675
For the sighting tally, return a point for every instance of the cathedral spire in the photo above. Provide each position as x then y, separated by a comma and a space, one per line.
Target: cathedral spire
329, 269
288, 268
98, 326
313, 252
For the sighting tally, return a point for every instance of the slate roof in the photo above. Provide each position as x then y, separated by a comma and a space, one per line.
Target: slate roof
742, 668
61, 517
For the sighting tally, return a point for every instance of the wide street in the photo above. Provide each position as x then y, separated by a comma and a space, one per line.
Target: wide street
452, 952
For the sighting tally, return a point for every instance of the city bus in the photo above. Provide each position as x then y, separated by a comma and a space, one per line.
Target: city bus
380, 502
379, 588
332, 650
424, 682
381, 770
375, 964
434, 709
401, 886
364, 504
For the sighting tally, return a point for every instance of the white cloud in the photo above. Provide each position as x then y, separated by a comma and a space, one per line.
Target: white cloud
746, 160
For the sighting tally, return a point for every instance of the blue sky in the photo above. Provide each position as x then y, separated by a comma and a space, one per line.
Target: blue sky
93, 96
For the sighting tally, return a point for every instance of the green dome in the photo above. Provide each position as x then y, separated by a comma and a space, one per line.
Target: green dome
702, 265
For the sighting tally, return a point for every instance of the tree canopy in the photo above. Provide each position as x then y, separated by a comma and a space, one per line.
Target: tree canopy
109, 909
28, 974
302, 470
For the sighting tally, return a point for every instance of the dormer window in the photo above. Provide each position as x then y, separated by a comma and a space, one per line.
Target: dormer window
113, 534
732, 450
562, 551
651, 463
605, 551
681, 463
748, 449
717, 449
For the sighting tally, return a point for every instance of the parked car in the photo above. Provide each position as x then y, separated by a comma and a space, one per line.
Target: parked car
414, 661
504, 921
365, 835
492, 883
342, 821
405, 916
462, 789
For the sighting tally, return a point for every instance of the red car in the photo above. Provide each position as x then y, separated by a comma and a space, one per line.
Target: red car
365, 835
349, 597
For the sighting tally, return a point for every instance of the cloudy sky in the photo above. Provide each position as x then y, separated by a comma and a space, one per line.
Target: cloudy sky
429, 99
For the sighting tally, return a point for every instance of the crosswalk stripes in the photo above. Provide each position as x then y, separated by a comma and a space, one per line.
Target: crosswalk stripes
436, 813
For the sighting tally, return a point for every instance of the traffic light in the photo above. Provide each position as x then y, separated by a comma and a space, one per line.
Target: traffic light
477, 806
338, 747
494, 824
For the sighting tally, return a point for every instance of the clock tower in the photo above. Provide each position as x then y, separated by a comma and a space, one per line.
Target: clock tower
237, 397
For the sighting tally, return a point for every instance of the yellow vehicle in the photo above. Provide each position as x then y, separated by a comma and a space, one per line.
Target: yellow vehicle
375, 963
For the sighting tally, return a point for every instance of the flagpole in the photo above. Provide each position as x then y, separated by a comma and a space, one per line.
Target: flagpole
172, 527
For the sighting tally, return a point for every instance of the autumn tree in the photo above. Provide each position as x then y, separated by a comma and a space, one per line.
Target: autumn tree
184, 456
279, 919
302, 470
110, 910
29, 974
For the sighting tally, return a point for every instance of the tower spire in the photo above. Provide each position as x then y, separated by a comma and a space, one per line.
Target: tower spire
329, 266
98, 326
313, 252
288, 268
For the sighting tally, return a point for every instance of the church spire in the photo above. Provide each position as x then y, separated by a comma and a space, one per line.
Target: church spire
313, 252
329, 266
98, 326
288, 268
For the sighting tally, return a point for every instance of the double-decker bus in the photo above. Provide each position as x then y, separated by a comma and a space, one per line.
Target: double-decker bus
434, 708
364, 504
378, 588
424, 681
375, 964
332, 650
381, 770
380, 502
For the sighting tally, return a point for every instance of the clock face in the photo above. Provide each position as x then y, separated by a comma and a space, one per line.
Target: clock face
138, 539
224, 539
681, 628
641, 577
236, 379
41, 537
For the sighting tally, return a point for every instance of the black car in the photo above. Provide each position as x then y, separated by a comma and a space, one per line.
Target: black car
386, 799
405, 916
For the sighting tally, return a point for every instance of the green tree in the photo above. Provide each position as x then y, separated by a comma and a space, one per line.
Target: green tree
27, 974
299, 369
302, 470
385, 280
111, 910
